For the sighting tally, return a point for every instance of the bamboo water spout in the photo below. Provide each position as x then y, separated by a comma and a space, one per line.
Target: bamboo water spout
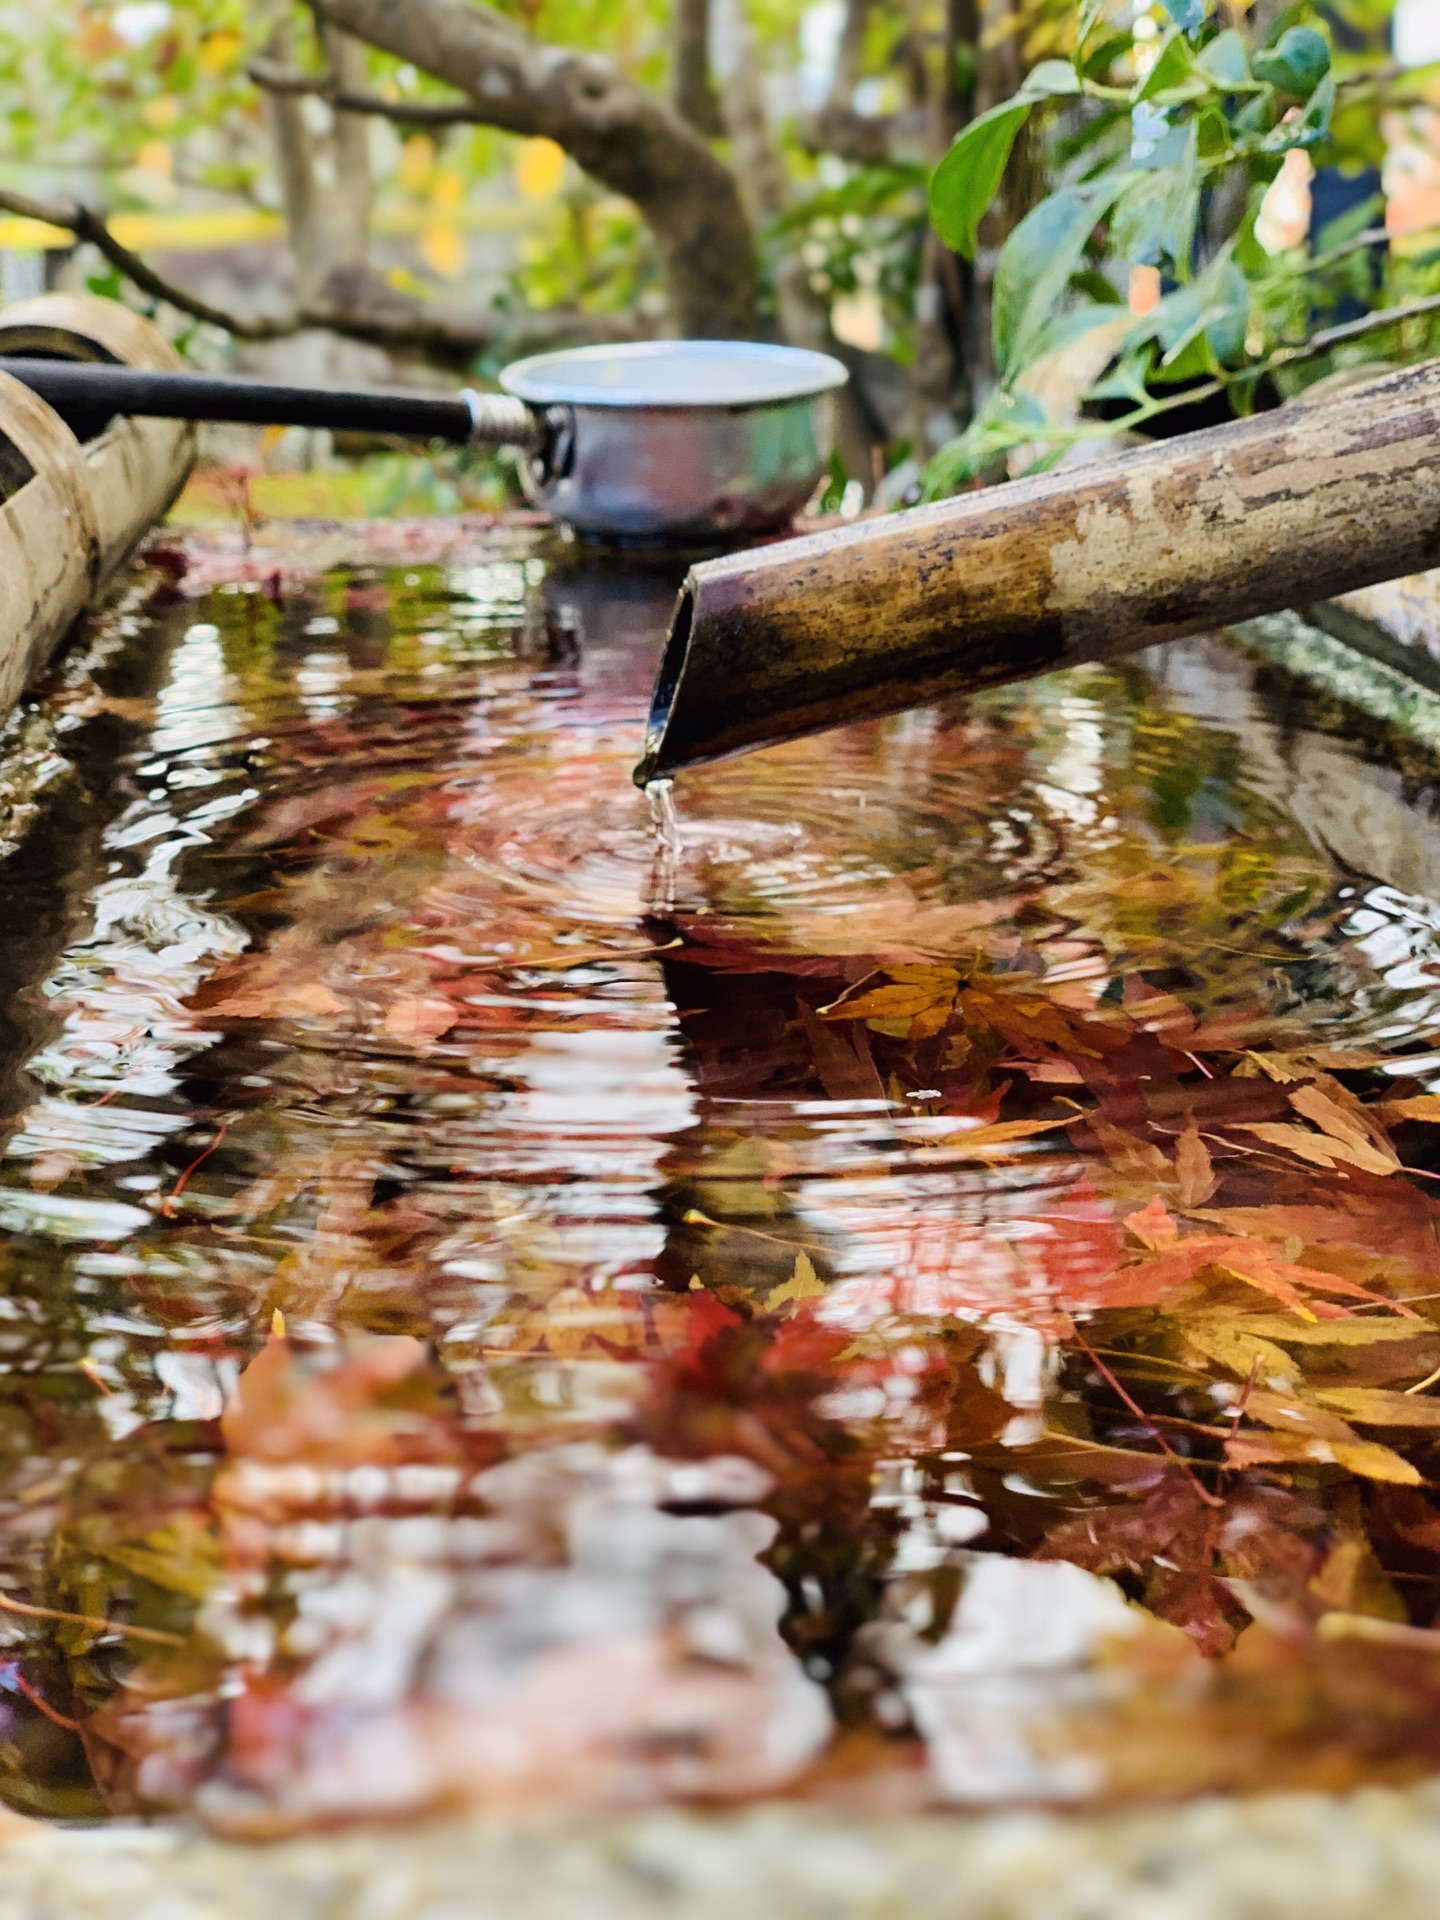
1193, 533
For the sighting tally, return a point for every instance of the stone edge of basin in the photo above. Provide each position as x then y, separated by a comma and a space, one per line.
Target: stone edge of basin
1323, 1857
1377, 649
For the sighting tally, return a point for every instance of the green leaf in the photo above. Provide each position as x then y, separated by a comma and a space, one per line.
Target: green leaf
1098, 62
1006, 421
1312, 125
1104, 292
1225, 61
1049, 78
1346, 226
1126, 379
1212, 134
1037, 261
1090, 13
1188, 15
1067, 328
964, 183
1174, 65
1198, 327
1155, 218
1297, 64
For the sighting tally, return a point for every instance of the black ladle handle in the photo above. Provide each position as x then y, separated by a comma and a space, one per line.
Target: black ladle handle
87, 395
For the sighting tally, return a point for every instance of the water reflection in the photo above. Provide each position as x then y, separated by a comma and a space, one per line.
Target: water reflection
492, 1315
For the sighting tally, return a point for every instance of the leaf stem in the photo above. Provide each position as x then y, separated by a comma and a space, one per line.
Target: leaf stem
100, 1625
1140, 1414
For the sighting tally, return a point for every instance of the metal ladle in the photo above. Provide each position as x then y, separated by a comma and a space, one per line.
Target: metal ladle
659, 441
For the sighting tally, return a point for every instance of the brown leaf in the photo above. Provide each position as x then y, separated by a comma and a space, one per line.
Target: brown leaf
420, 1016
1341, 1059
1338, 1333
842, 1060
1231, 1343
980, 1143
1365, 1457
1374, 1462
1153, 1225
1353, 1581
1420, 1106
914, 991
277, 1000
1284, 1067
1130, 1157
1344, 1119
1194, 1175
1024, 1016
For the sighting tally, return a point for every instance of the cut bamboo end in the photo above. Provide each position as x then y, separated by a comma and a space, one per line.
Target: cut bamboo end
49, 540
72, 512
135, 468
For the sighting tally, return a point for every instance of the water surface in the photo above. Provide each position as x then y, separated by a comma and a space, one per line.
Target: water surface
906, 1292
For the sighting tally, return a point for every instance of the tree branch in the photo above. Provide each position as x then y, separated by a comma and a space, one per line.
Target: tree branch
86, 224
275, 78
622, 135
409, 328
865, 139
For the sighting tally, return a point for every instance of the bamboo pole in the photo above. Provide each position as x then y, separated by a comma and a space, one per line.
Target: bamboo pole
1187, 535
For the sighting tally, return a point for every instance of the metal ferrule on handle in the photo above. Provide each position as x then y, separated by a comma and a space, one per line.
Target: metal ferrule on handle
500, 420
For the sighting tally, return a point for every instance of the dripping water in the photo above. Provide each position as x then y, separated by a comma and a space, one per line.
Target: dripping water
660, 798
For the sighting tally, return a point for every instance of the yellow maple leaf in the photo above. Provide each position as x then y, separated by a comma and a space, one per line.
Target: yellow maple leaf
803, 1284
920, 997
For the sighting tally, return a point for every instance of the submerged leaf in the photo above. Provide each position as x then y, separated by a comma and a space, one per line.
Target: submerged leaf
803, 1284
1322, 1150
1381, 1407
1195, 1180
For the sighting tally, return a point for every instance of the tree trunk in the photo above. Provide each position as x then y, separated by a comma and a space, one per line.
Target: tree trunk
691, 93
765, 186
352, 195
294, 148
939, 394
622, 136
327, 188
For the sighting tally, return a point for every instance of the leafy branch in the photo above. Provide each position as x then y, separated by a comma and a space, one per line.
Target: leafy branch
1143, 167
1014, 419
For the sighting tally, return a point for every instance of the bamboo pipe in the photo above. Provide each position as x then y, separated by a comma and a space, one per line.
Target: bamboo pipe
1186, 535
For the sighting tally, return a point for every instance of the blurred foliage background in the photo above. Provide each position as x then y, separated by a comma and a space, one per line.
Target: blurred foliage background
1145, 217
